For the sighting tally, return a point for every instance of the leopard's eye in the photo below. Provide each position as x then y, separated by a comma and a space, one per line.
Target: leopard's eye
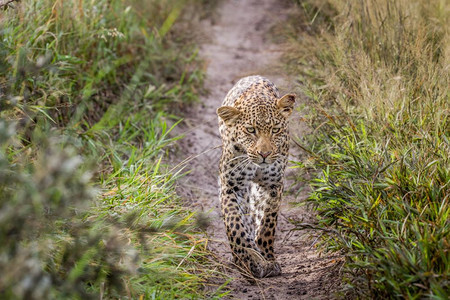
251, 130
275, 130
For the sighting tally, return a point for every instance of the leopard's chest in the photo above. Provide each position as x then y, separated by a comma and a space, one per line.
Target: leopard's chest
239, 175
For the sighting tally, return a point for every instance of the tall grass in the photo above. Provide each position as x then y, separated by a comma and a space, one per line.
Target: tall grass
77, 58
376, 75
87, 209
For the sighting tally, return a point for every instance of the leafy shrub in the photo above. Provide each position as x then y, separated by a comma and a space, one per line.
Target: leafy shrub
376, 74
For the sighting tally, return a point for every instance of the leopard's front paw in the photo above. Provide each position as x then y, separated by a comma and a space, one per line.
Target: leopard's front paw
258, 271
272, 269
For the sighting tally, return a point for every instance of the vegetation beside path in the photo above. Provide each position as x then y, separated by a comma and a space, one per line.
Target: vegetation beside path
87, 208
376, 76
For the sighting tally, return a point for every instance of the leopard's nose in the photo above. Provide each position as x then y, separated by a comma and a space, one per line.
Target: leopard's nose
264, 154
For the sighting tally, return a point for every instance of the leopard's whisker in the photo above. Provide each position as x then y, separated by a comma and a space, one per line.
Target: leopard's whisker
183, 163
237, 157
239, 165
250, 162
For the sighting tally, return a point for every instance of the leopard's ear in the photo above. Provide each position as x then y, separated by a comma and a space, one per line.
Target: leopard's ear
228, 114
286, 104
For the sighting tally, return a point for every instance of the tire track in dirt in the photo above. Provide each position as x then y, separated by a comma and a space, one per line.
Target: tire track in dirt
239, 46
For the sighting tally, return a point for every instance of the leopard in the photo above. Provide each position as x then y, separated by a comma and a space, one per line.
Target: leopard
253, 125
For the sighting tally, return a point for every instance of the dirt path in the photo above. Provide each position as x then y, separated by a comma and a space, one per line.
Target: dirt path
239, 46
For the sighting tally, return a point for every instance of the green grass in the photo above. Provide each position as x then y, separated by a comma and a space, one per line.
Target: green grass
88, 209
375, 74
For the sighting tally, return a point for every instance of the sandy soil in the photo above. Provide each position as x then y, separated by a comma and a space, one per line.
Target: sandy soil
238, 46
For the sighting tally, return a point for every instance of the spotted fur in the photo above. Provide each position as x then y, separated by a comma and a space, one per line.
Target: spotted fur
253, 127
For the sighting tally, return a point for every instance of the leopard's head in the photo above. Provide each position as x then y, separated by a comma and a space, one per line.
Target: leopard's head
258, 127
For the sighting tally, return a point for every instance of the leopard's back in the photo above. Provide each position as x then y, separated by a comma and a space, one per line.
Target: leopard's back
255, 85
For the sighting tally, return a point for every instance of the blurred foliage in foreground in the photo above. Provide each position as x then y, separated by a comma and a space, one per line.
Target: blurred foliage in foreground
86, 207
377, 77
